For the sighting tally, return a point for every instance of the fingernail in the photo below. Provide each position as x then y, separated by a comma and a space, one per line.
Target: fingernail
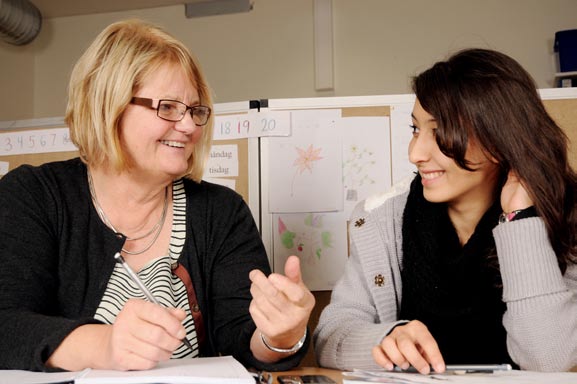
181, 334
405, 366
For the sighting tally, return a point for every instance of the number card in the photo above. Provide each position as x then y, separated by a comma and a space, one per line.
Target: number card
272, 123
36, 141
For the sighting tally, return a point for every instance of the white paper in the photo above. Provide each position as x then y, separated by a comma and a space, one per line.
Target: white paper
498, 377
401, 136
28, 377
319, 239
224, 369
36, 141
366, 158
222, 161
305, 169
242, 126
4, 167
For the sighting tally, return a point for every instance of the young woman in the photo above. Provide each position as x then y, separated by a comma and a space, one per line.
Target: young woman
476, 261
139, 111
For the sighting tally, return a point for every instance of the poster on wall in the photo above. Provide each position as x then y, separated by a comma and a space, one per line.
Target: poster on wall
305, 170
318, 237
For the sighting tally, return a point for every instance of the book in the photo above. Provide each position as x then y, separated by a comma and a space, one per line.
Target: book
207, 370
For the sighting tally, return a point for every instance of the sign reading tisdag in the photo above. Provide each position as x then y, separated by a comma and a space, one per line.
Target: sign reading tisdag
222, 161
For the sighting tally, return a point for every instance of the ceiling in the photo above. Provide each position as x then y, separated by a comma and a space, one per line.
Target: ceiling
60, 8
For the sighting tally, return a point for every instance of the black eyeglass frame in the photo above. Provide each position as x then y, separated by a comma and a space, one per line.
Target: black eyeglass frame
149, 103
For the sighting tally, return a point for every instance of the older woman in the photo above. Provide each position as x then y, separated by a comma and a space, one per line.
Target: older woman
139, 111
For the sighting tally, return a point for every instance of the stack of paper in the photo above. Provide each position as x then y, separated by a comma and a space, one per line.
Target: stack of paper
208, 370
497, 377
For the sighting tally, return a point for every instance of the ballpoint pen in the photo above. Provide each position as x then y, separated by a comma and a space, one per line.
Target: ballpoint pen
465, 368
119, 259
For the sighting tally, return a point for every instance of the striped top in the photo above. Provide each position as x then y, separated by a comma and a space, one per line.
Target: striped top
157, 275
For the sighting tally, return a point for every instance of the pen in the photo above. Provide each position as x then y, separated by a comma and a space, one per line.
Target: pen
119, 259
469, 368
464, 368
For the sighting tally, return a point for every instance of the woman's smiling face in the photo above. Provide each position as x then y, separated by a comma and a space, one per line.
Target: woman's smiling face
156, 147
443, 180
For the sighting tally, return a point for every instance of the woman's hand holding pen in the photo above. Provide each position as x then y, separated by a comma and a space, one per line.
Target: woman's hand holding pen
408, 345
280, 308
143, 334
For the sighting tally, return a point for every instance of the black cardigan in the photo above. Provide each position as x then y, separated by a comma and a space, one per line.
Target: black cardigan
56, 257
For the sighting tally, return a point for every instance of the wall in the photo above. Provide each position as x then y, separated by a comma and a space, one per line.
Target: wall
16, 82
268, 52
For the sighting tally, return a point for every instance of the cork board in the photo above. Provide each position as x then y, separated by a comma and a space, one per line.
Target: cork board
564, 112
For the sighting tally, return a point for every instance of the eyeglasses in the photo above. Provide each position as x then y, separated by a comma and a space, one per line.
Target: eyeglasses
173, 110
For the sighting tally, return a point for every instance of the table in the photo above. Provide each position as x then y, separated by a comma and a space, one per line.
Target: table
332, 373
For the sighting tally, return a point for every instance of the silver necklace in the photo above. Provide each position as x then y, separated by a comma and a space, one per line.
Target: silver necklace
157, 227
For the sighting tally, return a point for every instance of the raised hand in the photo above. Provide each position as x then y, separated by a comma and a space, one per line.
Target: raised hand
281, 305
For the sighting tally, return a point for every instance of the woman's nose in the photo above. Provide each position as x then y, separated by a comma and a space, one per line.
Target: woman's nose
421, 147
186, 125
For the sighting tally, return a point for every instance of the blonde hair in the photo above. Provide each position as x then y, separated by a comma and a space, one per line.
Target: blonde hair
106, 77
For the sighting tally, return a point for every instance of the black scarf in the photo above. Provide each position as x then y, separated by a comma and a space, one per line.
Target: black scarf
454, 290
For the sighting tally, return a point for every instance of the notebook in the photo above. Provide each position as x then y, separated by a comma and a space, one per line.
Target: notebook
207, 370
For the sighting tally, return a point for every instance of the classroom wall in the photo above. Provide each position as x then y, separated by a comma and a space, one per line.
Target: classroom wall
269, 53
16, 82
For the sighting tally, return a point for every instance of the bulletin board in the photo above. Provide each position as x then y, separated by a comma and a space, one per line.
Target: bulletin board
564, 112
320, 237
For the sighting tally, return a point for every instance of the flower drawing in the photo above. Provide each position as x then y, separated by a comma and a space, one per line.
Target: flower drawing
305, 161
310, 241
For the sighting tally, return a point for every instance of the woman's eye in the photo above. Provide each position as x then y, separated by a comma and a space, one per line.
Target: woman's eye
414, 129
165, 107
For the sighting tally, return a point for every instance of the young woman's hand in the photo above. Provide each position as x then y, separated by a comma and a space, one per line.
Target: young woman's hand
514, 196
408, 345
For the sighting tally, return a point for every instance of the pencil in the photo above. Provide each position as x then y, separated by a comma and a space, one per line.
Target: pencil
119, 259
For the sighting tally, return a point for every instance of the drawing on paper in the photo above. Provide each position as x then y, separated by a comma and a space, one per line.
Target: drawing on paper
305, 161
356, 170
310, 241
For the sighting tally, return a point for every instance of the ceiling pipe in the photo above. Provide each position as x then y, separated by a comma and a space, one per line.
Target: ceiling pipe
20, 21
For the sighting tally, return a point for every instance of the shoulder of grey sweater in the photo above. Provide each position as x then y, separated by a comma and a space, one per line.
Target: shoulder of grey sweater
379, 199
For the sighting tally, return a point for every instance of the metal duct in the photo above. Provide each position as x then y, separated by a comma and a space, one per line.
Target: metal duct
20, 21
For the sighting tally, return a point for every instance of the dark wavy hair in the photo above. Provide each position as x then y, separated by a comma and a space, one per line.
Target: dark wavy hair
488, 97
